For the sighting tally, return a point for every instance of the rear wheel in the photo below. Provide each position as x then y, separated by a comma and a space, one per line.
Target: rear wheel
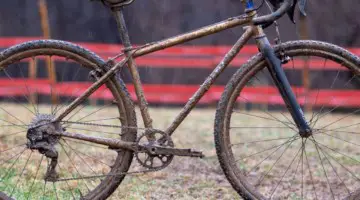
81, 169
258, 144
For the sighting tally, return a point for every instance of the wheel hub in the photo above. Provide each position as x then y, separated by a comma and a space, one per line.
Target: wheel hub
41, 137
306, 131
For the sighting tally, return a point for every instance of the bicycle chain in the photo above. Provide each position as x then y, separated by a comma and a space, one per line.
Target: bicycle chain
105, 125
116, 174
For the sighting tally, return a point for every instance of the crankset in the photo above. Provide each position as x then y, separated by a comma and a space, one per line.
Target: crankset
163, 145
155, 150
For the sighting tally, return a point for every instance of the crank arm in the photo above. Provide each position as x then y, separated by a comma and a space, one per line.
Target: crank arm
159, 150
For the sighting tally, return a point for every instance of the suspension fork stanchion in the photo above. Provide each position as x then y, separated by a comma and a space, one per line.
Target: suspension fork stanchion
282, 83
124, 36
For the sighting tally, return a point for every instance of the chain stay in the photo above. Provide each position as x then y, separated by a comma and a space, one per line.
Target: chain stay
152, 149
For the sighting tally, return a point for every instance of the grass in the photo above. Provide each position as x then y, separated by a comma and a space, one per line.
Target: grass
185, 178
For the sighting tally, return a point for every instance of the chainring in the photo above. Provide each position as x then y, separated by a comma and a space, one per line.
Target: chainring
149, 159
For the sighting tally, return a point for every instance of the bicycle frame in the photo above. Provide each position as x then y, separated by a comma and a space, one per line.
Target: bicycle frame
131, 54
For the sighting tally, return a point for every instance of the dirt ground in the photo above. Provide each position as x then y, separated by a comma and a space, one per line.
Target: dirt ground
190, 178
185, 178
195, 178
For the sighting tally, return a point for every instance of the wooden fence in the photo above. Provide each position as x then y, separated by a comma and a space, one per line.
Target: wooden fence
185, 57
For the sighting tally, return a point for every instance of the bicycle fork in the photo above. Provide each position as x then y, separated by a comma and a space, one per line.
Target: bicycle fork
283, 85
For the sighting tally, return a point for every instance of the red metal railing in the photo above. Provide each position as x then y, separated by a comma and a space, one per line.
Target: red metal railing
184, 57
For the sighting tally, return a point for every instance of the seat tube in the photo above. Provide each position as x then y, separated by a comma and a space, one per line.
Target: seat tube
124, 36
277, 73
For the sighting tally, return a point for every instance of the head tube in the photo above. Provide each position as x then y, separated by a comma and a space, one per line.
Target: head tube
249, 4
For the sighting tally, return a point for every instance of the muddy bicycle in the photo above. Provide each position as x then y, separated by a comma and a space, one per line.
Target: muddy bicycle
305, 146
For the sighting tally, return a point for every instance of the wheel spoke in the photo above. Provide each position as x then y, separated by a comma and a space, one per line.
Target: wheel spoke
67, 183
259, 141
56, 195
10, 168
36, 174
7, 160
23, 123
334, 170
335, 129
313, 115
271, 119
34, 113
11, 134
338, 138
319, 116
340, 119
287, 169
89, 130
82, 159
91, 157
348, 170
22, 171
2, 151
86, 143
104, 119
57, 108
257, 127
316, 99
94, 112
343, 154
275, 118
262, 151
311, 176
44, 190
323, 168
73, 164
277, 160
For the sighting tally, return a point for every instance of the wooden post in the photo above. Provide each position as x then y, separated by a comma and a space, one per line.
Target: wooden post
33, 75
44, 17
306, 71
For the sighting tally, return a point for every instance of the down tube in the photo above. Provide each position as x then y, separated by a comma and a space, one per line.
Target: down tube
210, 80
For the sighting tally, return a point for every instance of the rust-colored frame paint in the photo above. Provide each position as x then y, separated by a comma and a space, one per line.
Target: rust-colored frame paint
156, 46
131, 54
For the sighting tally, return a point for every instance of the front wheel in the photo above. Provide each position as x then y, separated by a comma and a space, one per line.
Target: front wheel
261, 152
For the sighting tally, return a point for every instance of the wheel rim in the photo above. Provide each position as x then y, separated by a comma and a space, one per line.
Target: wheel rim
267, 152
23, 102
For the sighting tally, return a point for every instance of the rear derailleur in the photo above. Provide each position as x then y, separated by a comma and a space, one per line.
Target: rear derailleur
40, 138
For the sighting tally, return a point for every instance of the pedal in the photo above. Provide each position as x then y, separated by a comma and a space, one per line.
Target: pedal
176, 152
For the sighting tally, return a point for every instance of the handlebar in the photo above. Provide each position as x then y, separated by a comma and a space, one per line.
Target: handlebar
286, 5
